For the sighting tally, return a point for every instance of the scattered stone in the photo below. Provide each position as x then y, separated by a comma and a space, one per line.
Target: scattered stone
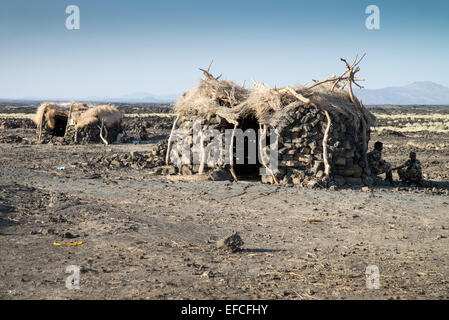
116, 163
220, 175
207, 274
267, 179
135, 155
11, 139
232, 243
69, 235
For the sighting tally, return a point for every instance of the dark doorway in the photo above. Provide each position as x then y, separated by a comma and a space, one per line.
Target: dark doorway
60, 126
249, 169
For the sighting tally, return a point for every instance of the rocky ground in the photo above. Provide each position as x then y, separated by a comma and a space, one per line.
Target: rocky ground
155, 237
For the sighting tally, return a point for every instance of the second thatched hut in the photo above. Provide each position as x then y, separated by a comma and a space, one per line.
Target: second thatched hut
78, 122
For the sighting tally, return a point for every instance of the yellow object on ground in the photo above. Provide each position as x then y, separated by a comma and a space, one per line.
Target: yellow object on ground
68, 243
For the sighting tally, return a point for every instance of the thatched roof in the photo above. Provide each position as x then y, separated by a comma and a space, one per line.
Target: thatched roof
108, 113
82, 114
270, 106
212, 97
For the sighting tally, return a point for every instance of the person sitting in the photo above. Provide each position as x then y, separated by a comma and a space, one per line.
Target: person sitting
412, 172
377, 165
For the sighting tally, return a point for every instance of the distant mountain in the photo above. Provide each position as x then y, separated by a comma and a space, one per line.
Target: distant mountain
418, 93
145, 97
137, 97
141, 97
424, 92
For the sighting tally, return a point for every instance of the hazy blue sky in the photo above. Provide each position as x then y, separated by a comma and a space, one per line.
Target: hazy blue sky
157, 46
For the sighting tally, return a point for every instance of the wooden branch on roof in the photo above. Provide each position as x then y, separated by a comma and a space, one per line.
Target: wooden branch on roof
298, 96
207, 73
347, 77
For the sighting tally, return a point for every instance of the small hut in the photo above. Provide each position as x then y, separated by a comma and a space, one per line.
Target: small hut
78, 122
322, 130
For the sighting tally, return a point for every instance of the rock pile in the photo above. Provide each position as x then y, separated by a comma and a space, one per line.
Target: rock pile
135, 159
90, 134
300, 150
17, 123
12, 138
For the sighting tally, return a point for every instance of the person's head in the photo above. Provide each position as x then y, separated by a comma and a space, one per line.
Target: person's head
378, 146
412, 156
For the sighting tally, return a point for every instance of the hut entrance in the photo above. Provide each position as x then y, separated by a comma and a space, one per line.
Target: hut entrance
60, 126
246, 148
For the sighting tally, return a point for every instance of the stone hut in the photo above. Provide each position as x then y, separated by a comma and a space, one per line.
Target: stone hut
321, 132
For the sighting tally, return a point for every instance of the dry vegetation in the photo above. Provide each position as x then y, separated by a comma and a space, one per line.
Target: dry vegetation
16, 116
412, 122
127, 115
145, 115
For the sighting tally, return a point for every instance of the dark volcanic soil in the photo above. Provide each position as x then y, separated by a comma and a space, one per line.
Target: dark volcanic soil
154, 237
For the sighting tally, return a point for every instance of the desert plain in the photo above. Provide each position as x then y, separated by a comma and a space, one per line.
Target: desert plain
147, 236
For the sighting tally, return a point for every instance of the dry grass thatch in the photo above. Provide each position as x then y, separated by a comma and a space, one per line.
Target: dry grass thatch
47, 112
81, 113
271, 106
213, 97
108, 113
